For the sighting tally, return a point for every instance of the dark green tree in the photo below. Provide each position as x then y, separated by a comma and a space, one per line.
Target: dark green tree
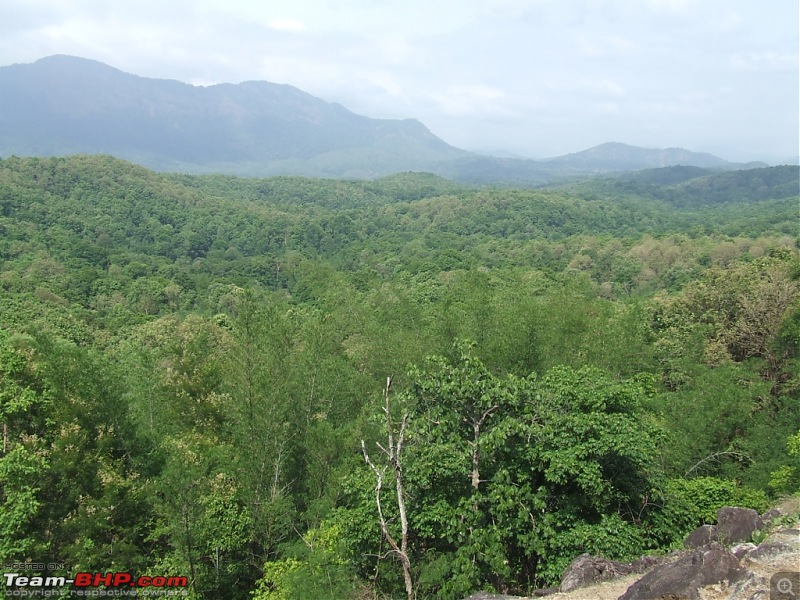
509, 478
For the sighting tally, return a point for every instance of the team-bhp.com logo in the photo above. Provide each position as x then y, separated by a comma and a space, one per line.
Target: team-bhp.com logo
88, 581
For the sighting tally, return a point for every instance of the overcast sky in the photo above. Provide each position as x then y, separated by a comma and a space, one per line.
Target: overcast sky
534, 77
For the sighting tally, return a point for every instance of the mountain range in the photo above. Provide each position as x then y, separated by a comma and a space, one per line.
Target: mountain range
66, 105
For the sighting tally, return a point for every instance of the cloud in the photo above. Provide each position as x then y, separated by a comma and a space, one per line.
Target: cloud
291, 25
764, 61
606, 45
674, 6
471, 100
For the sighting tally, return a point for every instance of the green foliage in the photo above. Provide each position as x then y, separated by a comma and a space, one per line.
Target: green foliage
315, 568
689, 503
787, 477
69, 478
691, 187
508, 478
186, 367
19, 471
23, 462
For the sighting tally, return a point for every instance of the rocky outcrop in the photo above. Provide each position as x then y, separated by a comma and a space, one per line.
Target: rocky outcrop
738, 571
740, 550
588, 570
705, 534
736, 524
684, 577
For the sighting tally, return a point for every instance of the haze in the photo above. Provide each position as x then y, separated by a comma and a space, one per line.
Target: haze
535, 78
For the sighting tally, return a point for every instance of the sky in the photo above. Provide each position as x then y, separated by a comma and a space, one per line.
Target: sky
536, 78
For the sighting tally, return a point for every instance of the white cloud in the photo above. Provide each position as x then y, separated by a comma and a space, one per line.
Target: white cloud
471, 100
675, 6
605, 45
292, 25
764, 61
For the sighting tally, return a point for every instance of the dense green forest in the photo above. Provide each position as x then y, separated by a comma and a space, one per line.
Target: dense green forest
194, 373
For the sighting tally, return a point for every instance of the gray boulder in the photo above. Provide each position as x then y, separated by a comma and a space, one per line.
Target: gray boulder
703, 535
785, 536
682, 578
769, 550
736, 524
645, 563
751, 587
588, 570
740, 550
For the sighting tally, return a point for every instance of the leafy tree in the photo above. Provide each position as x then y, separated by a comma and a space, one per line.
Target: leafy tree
508, 478
315, 567
787, 477
23, 405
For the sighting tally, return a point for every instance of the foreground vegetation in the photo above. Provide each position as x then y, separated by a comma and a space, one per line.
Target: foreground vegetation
189, 365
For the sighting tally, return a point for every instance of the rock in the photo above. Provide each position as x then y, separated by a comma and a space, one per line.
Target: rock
645, 563
489, 596
682, 578
545, 592
769, 550
750, 587
705, 534
736, 524
771, 515
588, 570
785, 536
739, 550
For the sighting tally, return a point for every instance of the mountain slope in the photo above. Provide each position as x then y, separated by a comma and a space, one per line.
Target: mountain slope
63, 105
67, 105
603, 160
614, 156
693, 188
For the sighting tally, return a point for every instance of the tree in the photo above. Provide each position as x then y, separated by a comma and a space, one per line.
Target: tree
22, 463
203, 525
394, 455
70, 468
508, 478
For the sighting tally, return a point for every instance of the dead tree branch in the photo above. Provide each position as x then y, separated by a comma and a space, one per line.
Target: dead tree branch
393, 452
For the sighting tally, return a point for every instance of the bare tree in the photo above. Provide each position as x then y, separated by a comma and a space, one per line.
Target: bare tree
476, 454
393, 452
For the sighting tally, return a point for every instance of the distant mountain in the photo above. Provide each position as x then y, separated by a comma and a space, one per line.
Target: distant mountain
67, 105
605, 159
64, 105
613, 156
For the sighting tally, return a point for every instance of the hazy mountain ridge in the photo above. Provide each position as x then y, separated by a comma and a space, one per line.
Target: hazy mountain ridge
615, 156
603, 160
64, 105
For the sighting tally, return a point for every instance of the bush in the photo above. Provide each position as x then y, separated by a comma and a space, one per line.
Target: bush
690, 503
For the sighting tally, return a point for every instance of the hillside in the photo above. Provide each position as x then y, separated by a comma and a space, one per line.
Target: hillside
613, 156
693, 187
193, 375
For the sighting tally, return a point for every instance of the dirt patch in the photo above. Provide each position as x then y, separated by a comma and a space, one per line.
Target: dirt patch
610, 590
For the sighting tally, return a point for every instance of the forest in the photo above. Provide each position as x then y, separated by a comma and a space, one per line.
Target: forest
290, 388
